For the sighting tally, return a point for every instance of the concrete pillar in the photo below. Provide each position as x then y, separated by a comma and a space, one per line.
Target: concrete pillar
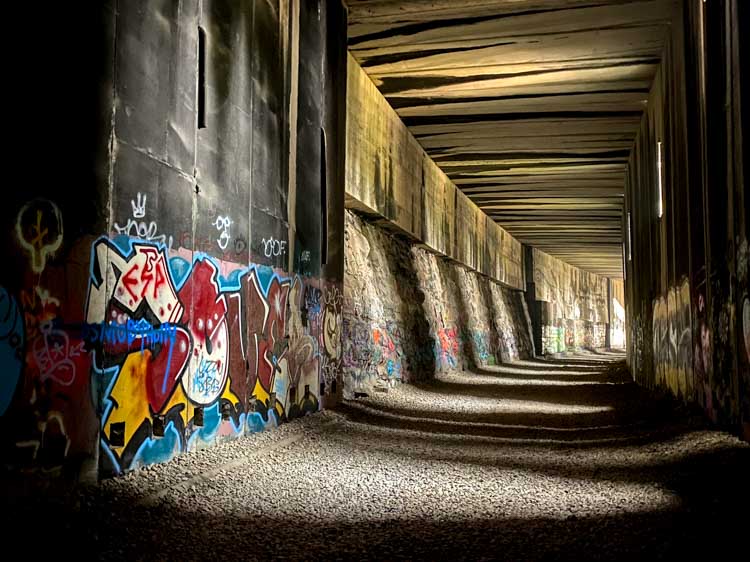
534, 306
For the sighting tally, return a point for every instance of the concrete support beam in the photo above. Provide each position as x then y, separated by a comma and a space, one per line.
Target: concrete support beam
534, 306
389, 174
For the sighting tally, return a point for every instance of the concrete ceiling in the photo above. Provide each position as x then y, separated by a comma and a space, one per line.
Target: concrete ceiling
529, 106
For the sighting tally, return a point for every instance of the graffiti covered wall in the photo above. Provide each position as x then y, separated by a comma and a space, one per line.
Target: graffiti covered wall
409, 313
687, 267
673, 341
574, 307
186, 353
193, 292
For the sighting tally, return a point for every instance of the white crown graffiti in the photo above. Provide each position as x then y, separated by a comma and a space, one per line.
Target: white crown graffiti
139, 208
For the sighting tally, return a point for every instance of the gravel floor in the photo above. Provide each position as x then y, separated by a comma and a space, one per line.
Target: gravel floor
535, 460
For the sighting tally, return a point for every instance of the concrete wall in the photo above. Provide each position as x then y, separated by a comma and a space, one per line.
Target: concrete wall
186, 287
573, 305
688, 306
389, 174
456, 304
431, 283
409, 313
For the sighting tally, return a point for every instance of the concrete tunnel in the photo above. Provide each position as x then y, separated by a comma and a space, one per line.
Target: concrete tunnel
377, 279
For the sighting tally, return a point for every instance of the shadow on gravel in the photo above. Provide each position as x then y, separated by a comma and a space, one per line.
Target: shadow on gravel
528, 365
596, 465
580, 394
708, 519
604, 410
610, 372
570, 430
575, 360
552, 376
708, 522
593, 389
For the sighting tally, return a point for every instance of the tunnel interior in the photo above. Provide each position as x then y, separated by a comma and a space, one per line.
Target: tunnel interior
378, 279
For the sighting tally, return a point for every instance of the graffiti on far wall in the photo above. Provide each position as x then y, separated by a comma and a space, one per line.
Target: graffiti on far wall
672, 341
39, 228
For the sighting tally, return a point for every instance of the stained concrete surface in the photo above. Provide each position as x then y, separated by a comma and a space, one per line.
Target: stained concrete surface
539, 459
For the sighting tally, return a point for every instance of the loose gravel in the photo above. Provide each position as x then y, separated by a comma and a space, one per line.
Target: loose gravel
537, 460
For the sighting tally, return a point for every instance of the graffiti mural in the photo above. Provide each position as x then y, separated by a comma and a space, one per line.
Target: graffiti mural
47, 414
703, 357
133, 325
447, 348
207, 322
141, 333
672, 341
575, 300
331, 334
553, 339
11, 347
408, 313
174, 339
373, 353
137, 228
39, 228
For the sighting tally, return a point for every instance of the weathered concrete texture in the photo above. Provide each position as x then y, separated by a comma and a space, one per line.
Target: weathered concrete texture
409, 313
195, 303
574, 311
389, 174
687, 282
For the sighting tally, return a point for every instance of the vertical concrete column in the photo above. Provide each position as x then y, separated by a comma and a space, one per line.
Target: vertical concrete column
534, 306
333, 29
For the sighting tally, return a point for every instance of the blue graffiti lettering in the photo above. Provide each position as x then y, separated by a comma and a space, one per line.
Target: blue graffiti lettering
207, 380
130, 332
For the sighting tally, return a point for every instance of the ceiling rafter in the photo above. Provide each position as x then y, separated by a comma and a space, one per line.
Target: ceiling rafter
529, 106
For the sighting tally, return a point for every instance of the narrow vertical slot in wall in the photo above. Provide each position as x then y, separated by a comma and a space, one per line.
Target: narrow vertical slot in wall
323, 199
630, 240
201, 78
659, 174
